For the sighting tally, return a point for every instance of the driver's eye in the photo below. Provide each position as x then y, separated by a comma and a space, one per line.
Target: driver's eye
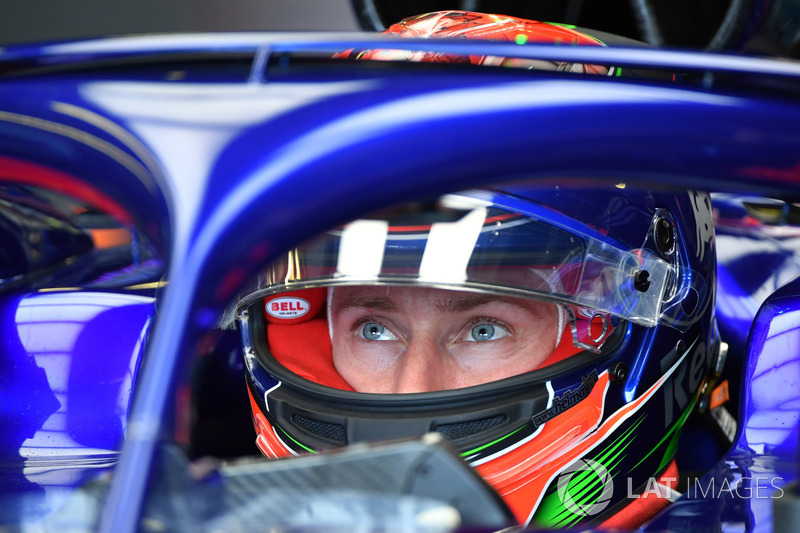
483, 332
486, 332
373, 331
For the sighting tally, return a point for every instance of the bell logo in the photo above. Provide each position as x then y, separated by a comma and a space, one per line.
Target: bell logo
287, 307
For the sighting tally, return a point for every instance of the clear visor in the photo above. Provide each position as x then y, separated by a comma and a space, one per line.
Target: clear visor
466, 242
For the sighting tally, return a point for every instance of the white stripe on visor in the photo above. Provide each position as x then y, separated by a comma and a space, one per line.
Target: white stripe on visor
449, 248
361, 249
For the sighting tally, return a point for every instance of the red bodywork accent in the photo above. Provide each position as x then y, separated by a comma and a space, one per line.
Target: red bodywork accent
27, 173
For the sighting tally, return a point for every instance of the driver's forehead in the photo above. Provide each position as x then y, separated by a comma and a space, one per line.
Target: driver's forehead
398, 299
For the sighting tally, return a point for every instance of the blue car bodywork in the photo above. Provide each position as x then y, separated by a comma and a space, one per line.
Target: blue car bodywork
222, 151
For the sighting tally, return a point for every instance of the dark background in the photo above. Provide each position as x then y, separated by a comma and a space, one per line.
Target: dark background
767, 27
38, 20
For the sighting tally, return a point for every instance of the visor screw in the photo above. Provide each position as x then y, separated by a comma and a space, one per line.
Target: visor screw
665, 238
680, 347
641, 280
618, 372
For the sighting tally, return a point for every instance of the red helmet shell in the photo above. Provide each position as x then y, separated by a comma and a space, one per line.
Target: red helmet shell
469, 25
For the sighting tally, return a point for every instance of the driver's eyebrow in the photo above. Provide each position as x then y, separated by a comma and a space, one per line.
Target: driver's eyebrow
444, 305
367, 302
471, 301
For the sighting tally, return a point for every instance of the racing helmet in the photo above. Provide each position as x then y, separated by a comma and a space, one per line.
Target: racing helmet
485, 26
624, 282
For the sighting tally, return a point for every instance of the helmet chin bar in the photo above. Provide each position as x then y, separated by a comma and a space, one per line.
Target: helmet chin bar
323, 417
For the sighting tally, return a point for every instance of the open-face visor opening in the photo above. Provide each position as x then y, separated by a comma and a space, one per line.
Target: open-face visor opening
401, 339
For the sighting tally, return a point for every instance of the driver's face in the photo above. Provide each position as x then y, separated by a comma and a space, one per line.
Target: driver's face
412, 339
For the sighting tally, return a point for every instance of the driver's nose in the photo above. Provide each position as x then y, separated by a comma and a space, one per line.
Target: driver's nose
422, 367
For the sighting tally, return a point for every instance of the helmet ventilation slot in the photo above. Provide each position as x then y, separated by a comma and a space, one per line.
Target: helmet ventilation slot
471, 427
325, 430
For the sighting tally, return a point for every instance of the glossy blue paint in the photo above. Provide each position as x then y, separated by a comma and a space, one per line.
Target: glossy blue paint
771, 402
739, 490
63, 133
267, 44
223, 177
339, 146
754, 259
70, 360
